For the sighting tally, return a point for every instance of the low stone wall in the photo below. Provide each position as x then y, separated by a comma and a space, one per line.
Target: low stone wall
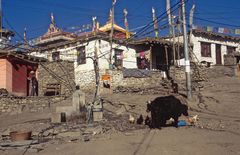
229, 60
31, 104
177, 73
86, 79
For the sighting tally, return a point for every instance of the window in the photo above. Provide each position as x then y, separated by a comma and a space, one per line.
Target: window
56, 56
205, 49
81, 55
230, 49
118, 58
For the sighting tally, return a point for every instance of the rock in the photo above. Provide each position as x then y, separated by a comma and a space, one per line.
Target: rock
6, 132
66, 109
97, 115
94, 131
69, 134
86, 138
121, 110
19, 143
58, 117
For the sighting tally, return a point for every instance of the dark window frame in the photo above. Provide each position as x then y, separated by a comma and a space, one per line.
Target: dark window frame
206, 49
81, 55
56, 56
118, 61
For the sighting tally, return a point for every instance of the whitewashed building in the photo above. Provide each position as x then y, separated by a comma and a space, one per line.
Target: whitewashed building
210, 47
57, 45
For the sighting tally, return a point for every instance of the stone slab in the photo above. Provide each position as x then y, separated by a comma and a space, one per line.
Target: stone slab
97, 116
78, 100
69, 110
58, 117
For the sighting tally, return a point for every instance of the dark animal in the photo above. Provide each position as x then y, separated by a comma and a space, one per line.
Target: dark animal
147, 121
164, 108
174, 87
140, 120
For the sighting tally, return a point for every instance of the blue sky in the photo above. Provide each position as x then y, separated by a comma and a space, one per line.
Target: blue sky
35, 14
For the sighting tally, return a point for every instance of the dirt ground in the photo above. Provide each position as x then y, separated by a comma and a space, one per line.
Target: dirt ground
216, 132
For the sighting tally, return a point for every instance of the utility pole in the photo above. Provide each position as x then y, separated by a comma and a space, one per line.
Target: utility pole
172, 28
155, 25
191, 23
96, 70
187, 62
126, 23
111, 34
1, 19
179, 31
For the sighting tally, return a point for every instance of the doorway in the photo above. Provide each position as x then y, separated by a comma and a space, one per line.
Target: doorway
218, 55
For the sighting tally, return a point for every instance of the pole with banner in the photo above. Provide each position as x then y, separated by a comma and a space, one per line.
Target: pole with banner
126, 23
155, 26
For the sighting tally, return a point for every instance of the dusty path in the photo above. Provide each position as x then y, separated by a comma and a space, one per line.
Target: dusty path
217, 132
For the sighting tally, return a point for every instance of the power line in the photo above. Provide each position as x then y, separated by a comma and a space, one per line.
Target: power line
159, 18
214, 22
20, 36
13, 28
149, 24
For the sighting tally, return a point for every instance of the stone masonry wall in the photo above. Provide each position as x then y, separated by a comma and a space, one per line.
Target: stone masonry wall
230, 60
61, 72
87, 79
31, 104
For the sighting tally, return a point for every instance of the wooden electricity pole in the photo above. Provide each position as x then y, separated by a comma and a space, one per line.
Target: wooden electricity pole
187, 62
191, 23
96, 70
111, 34
1, 19
171, 29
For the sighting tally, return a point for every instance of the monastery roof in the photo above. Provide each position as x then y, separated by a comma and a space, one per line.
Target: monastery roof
54, 34
107, 27
84, 37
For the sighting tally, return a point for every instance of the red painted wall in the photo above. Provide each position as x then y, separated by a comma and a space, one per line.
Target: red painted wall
9, 75
19, 79
6, 74
13, 75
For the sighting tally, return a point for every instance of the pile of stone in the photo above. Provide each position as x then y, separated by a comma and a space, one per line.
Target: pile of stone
150, 90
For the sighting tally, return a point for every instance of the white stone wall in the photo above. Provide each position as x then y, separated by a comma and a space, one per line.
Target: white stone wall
103, 50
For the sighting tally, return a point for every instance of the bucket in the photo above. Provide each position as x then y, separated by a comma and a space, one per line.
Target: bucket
20, 135
182, 123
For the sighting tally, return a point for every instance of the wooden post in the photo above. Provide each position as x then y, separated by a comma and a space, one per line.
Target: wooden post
166, 54
151, 57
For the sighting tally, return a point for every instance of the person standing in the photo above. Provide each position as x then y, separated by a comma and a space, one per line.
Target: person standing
33, 84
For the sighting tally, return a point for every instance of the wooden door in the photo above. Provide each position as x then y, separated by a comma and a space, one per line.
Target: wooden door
218, 55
